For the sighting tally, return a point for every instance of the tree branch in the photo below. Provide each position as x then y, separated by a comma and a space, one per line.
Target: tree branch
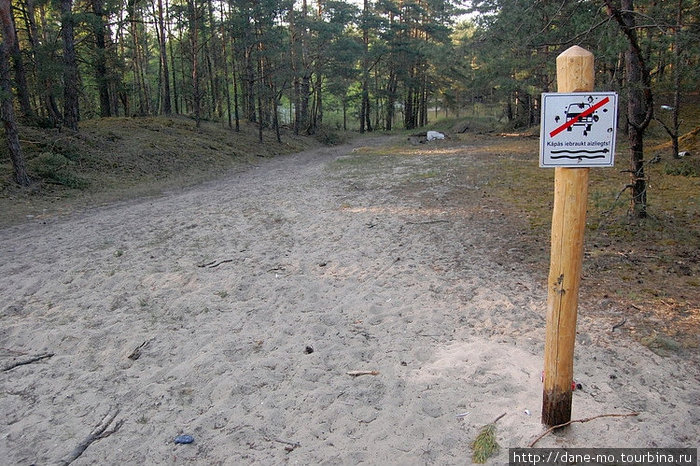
23, 362
97, 433
578, 36
578, 420
668, 129
617, 198
631, 35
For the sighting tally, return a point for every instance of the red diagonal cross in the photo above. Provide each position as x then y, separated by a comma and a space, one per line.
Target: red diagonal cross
583, 114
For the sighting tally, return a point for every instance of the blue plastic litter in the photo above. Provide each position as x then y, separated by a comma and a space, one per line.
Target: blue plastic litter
184, 439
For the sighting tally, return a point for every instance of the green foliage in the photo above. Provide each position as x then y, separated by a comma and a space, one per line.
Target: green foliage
56, 168
684, 168
261, 53
330, 137
485, 444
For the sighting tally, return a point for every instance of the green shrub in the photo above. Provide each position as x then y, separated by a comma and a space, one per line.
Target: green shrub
684, 168
56, 168
329, 137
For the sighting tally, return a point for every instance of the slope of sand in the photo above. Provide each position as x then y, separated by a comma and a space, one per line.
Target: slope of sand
251, 297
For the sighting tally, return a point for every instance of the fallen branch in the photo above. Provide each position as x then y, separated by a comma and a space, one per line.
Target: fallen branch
619, 324
428, 222
359, 373
578, 420
291, 446
617, 198
137, 352
97, 433
23, 362
215, 263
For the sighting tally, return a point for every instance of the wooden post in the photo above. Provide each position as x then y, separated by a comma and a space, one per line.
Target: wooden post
575, 73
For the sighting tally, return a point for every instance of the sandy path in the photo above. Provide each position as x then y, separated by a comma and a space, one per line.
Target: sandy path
232, 284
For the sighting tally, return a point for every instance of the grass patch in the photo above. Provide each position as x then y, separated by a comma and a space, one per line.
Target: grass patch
661, 344
683, 168
424, 176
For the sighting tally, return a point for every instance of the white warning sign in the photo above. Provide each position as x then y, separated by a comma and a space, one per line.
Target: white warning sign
578, 129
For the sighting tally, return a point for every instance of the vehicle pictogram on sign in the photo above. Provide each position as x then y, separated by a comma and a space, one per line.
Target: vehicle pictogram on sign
578, 129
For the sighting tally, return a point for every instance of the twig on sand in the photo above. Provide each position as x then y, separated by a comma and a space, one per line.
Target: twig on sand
215, 263
137, 352
29, 360
578, 420
359, 373
428, 222
97, 433
290, 445
620, 324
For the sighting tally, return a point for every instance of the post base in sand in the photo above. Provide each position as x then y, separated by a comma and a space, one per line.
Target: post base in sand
556, 407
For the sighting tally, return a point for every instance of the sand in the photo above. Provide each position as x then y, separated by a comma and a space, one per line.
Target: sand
233, 311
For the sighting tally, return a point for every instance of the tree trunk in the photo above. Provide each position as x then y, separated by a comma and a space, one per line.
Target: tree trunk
139, 62
52, 111
224, 61
250, 87
377, 99
213, 92
8, 117
365, 109
176, 100
71, 109
410, 114
675, 124
304, 92
391, 100
640, 103
318, 121
305, 84
101, 59
296, 86
212, 54
261, 117
345, 111
235, 86
185, 102
167, 109
194, 45
423, 100
635, 113
135, 20
10, 33
207, 38
275, 117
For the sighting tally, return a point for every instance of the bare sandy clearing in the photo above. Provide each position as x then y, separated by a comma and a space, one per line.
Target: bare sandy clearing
231, 285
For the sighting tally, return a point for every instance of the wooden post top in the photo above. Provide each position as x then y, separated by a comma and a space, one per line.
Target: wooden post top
575, 51
575, 70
